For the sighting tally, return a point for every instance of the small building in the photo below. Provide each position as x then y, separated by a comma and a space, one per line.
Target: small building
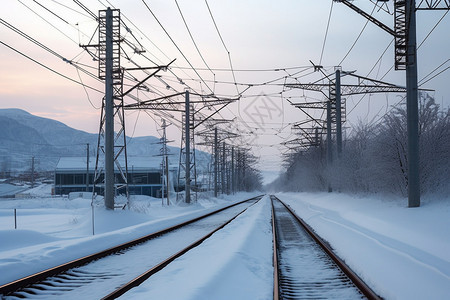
144, 176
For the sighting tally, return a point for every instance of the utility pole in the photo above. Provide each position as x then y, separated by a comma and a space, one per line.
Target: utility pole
187, 119
338, 113
111, 144
164, 164
109, 114
329, 143
87, 167
406, 59
187, 151
216, 157
412, 110
244, 165
167, 180
233, 172
316, 136
223, 169
239, 171
32, 172
335, 107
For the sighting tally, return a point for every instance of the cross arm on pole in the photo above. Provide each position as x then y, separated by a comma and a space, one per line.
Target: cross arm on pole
368, 17
158, 68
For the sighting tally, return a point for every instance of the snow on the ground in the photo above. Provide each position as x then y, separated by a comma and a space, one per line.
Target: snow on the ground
54, 230
234, 263
6, 190
402, 253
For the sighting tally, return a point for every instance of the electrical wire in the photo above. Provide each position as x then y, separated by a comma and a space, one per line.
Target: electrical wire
46, 21
94, 16
70, 8
50, 69
246, 70
357, 38
131, 45
175, 44
51, 12
435, 69
435, 76
29, 38
326, 33
86, 92
421, 82
432, 29
153, 44
223, 43
192, 38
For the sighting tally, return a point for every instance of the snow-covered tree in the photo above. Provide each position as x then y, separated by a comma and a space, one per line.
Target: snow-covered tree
375, 158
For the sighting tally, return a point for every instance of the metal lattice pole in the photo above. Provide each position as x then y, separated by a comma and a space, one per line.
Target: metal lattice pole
412, 107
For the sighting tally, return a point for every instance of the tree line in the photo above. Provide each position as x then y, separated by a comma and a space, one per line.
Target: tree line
374, 157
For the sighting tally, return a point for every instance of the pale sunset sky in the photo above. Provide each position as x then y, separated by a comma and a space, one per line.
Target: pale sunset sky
281, 36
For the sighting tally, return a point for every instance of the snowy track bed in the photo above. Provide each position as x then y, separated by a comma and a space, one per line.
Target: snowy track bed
234, 263
100, 277
307, 268
400, 252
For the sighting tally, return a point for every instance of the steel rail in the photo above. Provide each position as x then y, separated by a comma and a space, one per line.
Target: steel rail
357, 281
144, 276
24, 282
276, 288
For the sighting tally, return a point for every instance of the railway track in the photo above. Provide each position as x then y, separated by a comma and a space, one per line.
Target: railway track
110, 273
307, 268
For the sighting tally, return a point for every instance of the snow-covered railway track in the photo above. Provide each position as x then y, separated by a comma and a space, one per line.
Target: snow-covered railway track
110, 273
307, 268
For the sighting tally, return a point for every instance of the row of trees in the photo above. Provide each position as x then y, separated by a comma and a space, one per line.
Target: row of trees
374, 157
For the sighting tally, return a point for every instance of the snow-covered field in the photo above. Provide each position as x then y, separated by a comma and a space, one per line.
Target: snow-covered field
401, 253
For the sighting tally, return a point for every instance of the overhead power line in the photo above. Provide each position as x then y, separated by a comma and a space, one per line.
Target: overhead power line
281, 69
69, 8
421, 82
51, 12
175, 44
154, 45
357, 38
46, 21
326, 33
50, 69
432, 29
90, 12
29, 38
192, 38
223, 43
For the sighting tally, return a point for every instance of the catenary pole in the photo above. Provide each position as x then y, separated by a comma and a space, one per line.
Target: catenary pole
87, 167
329, 142
167, 179
223, 170
338, 113
216, 157
32, 171
188, 149
233, 172
412, 113
109, 114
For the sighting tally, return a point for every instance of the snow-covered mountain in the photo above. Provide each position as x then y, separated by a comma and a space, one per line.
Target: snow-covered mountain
24, 136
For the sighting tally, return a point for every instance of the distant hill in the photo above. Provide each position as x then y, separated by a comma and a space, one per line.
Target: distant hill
24, 135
